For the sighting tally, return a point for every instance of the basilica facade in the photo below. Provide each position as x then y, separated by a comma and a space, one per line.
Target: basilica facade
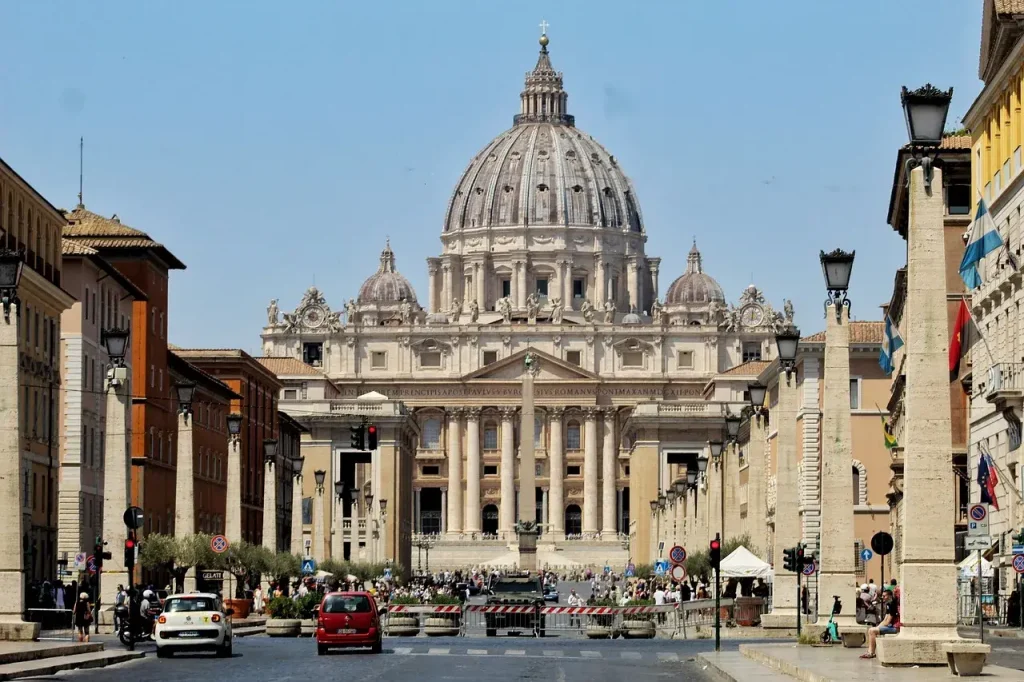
542, 250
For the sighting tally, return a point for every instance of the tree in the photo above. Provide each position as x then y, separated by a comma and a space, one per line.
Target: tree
737, 541
245, 562
177, 554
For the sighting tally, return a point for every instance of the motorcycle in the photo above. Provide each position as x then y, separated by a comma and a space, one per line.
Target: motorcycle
137, 629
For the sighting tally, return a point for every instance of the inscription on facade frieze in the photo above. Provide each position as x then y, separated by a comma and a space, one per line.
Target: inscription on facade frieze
515, 391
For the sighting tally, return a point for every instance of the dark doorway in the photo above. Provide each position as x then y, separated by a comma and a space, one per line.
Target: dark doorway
430, 511
573, 520
490, 520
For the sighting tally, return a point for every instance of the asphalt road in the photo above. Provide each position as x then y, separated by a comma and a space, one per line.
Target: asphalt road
450, 658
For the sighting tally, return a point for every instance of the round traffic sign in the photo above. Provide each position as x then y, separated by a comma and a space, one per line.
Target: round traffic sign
677, 554
882, 543
810, 568
1018, 563
679, 572
132, 518
978, 512
866, 554
219, 544
90, 564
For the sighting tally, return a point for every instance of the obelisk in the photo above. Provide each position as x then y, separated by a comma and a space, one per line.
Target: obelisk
526, 526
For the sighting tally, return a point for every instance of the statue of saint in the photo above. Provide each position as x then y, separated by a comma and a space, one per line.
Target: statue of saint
505, 308
787, 309
556, 310
657, 312
456, 310
609, 311
532, 306
474, 311
587, 308
405, 311
350, 311
272, 312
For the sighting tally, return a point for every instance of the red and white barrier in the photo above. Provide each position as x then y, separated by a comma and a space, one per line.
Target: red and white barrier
607, 610
425, 608
500, 609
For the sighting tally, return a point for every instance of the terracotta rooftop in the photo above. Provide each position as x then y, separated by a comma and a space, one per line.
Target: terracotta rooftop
1009, 6
99, 232
860, 332
70, 248
750, 368
957, 141
288, 367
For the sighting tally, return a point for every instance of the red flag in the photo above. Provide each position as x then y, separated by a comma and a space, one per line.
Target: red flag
961, 336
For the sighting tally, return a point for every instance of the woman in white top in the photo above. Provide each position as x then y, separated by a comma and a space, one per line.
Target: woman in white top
257, 600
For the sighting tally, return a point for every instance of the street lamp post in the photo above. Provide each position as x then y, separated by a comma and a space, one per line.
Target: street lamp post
337, 536
184, 506
297, 497
270, 494
233, 493
319, 541
117, 464
925, 111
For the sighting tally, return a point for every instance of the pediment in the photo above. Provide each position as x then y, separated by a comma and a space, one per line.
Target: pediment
550, 369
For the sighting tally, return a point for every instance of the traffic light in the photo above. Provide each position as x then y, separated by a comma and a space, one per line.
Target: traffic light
789, 561
358, 433
1019, 539
801, 561
371, 437
715, 552
129, 553
98, 553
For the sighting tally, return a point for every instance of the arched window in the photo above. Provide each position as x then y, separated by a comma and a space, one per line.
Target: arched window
432, 433
573, 520
490, 436
538, 431
572, 435
856, 485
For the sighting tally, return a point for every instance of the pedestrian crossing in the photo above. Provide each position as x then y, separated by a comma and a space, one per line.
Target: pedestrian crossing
585, 654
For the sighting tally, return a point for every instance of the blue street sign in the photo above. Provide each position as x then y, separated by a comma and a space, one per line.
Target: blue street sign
660, 567
866, 554
630, 570
308, 566
387, 574
1018, 549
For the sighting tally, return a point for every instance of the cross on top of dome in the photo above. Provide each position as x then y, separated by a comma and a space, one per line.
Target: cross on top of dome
543, 99
693, 260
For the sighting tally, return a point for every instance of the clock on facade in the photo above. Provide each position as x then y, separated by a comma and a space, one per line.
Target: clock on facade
751, 316
314, 317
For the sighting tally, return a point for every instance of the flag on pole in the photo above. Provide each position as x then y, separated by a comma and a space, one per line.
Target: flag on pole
987, 479
890, 344
961, 341
890, 440
984, 240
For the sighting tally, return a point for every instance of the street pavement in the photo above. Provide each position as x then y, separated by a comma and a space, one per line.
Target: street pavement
449, 658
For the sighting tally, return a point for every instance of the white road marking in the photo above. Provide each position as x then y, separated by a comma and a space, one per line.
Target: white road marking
439, 652
590, 654
554, 653
515, 652
403, 650
632, 655
664, 656
476, 652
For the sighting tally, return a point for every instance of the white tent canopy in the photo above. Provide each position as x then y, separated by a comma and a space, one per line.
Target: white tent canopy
969, 567
743, 564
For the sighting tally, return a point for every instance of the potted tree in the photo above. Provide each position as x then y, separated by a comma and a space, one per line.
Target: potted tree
283, 620
177, 555
443, 624
245, 562
306, 608
601, 626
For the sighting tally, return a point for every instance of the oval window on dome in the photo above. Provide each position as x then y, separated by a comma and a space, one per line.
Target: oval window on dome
577, 188
607, 191
507, 188
570, 154
542, 187
478, 190
595, 158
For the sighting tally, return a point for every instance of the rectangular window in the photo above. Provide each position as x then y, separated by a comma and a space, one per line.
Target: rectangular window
854, 393
613, 289
958, 200
490, 470
431, 471
379, 359
542, 286
152, 376
684, 359
490, 356
572, 470
307, 510
290, 394
490, 437
751, 350
313, 354
578, 287
430, 359
85, 304
632, 358
506, 288
573, 357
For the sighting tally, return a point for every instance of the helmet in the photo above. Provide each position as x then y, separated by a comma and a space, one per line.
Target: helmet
148, 594
84, 596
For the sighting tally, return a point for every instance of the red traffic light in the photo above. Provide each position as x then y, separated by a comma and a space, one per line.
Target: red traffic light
129, 543
372, 429
716, 545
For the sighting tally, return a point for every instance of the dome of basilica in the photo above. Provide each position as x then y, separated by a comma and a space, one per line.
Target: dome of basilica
386, 285
694, 287
544, 171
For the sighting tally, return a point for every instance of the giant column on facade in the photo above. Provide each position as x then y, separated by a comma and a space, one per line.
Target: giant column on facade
928, 573
472, 519
455, 471
556, 498
609, 460
507, 512
590, 491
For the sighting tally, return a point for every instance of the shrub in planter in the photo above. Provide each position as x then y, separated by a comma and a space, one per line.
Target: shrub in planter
283, 607
639, 625
305, 606
601, 626
443, 624
403, 624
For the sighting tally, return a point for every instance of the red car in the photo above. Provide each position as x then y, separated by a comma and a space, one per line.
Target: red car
348, 619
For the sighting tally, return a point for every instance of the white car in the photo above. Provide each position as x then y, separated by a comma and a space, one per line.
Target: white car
193, 622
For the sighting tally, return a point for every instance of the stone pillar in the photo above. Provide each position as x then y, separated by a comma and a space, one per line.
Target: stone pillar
431, 288
527, 456
788, 531
416, 497
319, 548
565, 267
12, 569
471, 521
184, 490
590, 469
444, 509
523, 289
927, 567
354, 513
757, 507
270, 505
455, 471
632, 270
338, 534
297, 546
836, 574
654, 264
233, 494
600, 281
479, 274
557, 473
446, 300
544, 507
507, 511
116, 474
609, 461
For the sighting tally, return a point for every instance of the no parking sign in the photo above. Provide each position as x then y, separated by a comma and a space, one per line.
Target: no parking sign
1018, 563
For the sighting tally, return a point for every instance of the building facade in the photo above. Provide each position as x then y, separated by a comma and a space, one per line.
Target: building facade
105, 298
153, 412
29, 224
543, 249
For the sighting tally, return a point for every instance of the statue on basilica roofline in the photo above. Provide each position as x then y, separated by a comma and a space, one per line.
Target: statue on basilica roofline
658, 313
609, 311
587, 308
474, 311
787, 309
272, 313
405, 311
504, 306
532, 306
456, 310
350, 311
556, 310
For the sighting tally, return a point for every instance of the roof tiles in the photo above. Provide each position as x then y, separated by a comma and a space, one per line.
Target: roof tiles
288, 367
749, 368
860, 332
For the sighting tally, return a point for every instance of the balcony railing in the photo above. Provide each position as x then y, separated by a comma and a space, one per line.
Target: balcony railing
1005, 380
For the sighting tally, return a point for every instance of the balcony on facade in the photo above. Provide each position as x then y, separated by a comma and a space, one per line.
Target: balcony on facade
1004, 386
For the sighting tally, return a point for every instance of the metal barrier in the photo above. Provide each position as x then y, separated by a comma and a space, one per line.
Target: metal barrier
55, 624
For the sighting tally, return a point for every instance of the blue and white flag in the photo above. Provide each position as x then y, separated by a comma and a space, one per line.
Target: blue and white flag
983, 241
890, 344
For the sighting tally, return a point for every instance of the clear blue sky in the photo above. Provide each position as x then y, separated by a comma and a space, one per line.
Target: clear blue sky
268, 143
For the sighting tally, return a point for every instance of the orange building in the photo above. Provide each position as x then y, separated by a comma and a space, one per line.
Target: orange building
258, 389
154, 421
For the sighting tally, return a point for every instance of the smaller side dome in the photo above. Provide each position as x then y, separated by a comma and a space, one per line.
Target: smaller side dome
694, 287
386, 285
